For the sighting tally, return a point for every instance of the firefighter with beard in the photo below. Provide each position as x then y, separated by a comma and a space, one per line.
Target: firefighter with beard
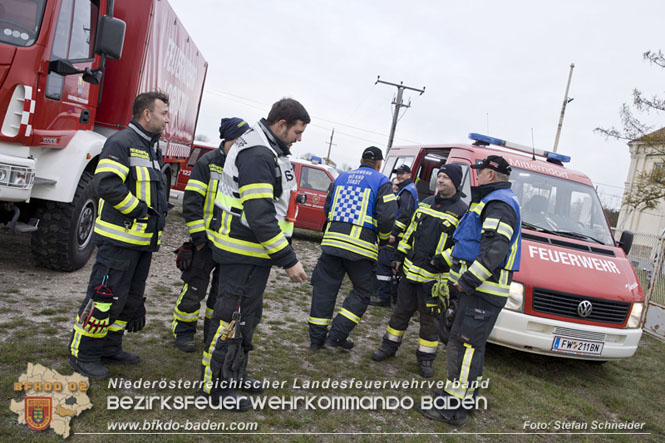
203, 221
360, 208
128, 229
429, 233
485, 255
407, 201
253, 195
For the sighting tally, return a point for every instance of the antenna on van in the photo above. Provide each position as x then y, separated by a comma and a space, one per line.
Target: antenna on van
533, 146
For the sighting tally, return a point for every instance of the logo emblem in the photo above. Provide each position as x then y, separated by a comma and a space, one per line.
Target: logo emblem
584, 308
38, 412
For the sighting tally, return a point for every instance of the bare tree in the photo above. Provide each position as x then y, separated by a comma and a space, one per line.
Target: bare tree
649, 186
201, 138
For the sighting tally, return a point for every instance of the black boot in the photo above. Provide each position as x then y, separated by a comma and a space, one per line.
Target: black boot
455, 416
334, 344
94, 370
426, 369
123, 357
250, 384
387, 349
185, 344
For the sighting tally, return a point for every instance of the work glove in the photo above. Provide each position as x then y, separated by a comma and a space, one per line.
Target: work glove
436, 297
235, 360
185, 255
95, 316
138, 322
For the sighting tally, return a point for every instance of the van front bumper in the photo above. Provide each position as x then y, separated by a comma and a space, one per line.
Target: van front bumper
537, 335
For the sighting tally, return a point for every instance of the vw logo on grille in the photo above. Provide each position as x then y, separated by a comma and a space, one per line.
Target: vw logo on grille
584, 308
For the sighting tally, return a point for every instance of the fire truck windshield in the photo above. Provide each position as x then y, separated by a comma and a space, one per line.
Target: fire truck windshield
560, 206
20, 21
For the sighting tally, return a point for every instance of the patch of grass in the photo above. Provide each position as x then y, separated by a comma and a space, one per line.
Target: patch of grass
47, 311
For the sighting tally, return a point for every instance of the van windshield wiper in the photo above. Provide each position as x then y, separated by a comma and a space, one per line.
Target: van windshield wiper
578, 236
536, 228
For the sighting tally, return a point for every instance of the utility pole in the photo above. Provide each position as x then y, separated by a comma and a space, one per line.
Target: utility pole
398, 104
566, 100
330, 145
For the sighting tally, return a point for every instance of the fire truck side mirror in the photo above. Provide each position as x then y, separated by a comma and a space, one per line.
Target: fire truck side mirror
110, 37
626, 241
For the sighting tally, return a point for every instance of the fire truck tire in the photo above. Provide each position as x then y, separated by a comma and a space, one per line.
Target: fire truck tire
63, 241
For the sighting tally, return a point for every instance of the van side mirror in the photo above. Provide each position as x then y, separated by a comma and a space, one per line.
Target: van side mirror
626, 241
110, 37
301, 199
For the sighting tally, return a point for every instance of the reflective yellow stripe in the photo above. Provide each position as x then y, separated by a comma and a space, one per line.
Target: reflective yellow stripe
205, 361
395, 332
350, 315
477, 207
256, 190
400, 225
118, 325
416, 273
80, 330
320, 321
108, 165
506, 230
132, 236
349, 247
490, 224
128, 204
389, 198
427, 346
275, 244
479, 271
209, 312
196, 186
384, 235
513, 251
240, 247
440, 215
196, 226
466, 364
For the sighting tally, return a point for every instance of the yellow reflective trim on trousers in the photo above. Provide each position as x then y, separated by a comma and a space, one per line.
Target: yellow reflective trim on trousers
205, 360
76, 341
128, 204
187, 317
196, 186
426, 346
384, 235
275, 244
389, 198
395, 332
320, 321
108, 165
350, 315
174, 323
349, 247
480, 271
466, 366
454, 390
240, 247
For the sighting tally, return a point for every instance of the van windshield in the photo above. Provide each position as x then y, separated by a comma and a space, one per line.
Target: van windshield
559, 206
20, 21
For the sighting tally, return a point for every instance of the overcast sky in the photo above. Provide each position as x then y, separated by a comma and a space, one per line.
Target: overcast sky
497, 67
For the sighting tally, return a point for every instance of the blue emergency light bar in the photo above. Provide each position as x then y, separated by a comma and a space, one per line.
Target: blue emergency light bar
506, 144
315, 159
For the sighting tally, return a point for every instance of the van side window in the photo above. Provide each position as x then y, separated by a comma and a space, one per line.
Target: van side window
314, 179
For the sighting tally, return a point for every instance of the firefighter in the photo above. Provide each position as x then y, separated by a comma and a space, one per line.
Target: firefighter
203, 221
407, 201
486, 253
429, 233
253, 196
128, 229
360, 207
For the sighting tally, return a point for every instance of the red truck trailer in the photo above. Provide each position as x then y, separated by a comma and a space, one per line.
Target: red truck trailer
67, 82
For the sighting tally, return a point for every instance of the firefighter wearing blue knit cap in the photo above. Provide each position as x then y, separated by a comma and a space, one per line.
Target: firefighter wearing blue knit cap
203, 221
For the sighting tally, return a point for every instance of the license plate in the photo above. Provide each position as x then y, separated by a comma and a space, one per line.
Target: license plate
579, 347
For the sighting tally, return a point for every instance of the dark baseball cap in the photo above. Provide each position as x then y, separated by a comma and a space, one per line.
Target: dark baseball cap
372, 153
496, 162
402, 169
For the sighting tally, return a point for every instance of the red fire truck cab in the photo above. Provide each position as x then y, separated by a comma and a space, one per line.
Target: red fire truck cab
69, 72
576, 294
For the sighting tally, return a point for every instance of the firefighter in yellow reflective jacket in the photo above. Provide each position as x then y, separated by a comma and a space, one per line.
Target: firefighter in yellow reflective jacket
203, 221
429, 233
486, 253
128, 229
361, 209
253, 195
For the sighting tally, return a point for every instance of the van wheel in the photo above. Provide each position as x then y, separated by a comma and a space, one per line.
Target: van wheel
63, 241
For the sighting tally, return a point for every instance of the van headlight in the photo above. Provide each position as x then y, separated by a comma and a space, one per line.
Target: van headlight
515, 297
635, 315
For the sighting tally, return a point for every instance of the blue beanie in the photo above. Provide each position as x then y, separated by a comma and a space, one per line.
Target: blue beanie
232, 128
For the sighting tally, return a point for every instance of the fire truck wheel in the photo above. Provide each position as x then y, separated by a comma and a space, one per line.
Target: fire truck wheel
63, 240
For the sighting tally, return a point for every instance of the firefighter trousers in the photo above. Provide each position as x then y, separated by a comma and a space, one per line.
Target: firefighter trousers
188, 305
411, 298
127, 271
474, 321
385, 289
326, 281
241, 289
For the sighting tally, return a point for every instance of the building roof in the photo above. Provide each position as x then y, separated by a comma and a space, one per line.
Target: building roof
655, 137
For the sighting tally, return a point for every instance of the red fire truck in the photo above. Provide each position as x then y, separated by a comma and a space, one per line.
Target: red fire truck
576, 294
69, 71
